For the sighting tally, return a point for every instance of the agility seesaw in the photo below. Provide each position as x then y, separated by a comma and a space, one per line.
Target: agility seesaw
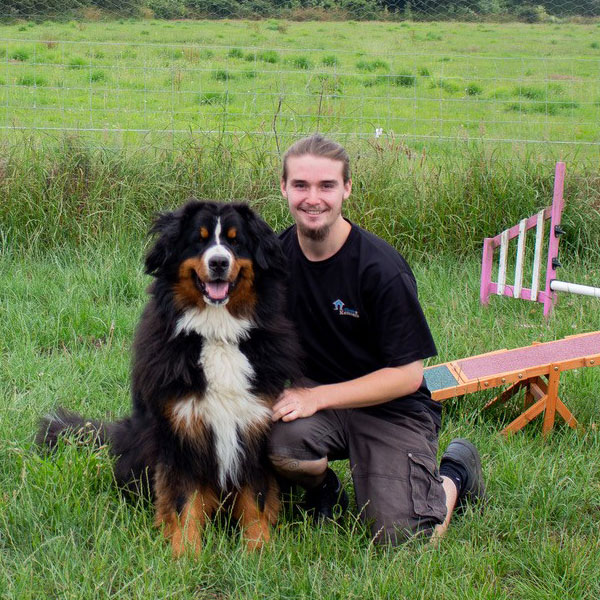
536, 368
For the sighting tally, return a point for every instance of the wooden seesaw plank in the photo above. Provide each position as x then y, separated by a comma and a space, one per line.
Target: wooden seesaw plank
518, 368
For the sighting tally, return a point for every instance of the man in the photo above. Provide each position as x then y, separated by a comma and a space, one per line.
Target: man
354, 301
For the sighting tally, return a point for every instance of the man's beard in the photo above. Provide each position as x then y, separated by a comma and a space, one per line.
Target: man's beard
316, 235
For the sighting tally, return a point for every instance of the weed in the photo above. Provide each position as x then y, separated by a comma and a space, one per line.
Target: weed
78, 63
473, 89
373, 65
214, 98
403, 79
235, 53
330, 60
21, 54
31, 80
97, 76
268, 56
530, 92
222, 75
301, 62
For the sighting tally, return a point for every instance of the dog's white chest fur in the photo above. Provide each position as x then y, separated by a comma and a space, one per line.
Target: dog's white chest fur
227, 407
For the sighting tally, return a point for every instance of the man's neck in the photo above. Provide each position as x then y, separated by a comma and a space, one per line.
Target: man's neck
317, 250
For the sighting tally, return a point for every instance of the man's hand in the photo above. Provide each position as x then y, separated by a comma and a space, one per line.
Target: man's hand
295, 403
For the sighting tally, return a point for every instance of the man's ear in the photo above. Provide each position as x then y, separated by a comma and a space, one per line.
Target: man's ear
347, 189
282, 187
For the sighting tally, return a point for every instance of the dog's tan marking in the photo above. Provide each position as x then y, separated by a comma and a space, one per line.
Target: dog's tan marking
185, 291
184, 531
186, 421
204, 233
254, 521
232, 233
242, 300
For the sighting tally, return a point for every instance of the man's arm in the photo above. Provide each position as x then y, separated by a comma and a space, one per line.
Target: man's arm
374, 388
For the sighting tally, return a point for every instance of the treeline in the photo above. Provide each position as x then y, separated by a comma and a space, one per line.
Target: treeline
534, 11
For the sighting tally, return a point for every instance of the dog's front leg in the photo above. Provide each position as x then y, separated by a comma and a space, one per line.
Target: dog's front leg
182, 515
255, 512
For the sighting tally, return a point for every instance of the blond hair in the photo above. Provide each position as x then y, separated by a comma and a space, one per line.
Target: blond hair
318, 145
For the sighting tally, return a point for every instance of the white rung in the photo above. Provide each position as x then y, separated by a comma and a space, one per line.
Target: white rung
502, 263
537, 257
520, 257
574, 288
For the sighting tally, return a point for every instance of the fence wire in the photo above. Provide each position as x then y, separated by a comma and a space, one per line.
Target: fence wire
346, 83
534, 11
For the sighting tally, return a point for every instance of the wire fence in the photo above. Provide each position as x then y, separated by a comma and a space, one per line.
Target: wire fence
532, 11
256, 78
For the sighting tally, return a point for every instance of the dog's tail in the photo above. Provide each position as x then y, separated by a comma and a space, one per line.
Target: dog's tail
131, 441
64, 424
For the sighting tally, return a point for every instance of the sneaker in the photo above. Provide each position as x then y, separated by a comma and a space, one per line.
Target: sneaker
327, 501
463, 453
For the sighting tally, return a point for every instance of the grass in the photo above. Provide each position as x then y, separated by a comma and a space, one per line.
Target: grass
68, 319
421, 80
72, 193
73, 215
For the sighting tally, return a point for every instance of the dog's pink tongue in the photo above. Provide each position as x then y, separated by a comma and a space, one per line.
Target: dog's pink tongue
217, 291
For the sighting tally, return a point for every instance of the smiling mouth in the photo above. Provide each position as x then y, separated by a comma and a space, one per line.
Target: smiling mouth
214, 292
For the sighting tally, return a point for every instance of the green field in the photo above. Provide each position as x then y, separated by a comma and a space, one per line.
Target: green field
102, 124
141, 81
65, 335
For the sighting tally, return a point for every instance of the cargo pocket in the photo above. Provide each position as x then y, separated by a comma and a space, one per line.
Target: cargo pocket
428, 496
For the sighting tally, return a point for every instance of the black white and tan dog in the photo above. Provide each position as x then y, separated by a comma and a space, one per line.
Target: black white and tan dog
212, 353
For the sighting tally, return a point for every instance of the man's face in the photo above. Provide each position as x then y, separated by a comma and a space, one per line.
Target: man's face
315, 191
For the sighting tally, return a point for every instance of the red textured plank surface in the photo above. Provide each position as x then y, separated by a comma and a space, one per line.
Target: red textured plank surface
530, 356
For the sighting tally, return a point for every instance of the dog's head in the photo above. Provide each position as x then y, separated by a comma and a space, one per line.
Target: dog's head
212, 254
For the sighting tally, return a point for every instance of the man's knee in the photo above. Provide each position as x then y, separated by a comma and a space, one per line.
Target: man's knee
297, 469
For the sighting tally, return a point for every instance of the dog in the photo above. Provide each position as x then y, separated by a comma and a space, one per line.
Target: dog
212, 352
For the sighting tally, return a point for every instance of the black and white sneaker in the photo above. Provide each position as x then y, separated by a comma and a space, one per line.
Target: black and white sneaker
327, 501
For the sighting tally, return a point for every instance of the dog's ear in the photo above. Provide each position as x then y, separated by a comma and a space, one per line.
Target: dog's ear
168, 227
267, 247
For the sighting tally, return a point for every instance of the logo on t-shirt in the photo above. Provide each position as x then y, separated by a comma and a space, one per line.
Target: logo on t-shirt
340, 307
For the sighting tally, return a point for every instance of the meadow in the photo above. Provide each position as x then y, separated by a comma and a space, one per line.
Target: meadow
143, 80
75, 207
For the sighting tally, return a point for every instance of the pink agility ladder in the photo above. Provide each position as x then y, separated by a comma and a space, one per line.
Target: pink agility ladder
547, 295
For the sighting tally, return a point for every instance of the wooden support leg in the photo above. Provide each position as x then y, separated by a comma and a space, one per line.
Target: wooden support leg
551, 399
531, 413
529, 398
507, 394
565, 413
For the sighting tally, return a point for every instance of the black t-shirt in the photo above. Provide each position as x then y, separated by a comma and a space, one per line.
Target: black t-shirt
357, 312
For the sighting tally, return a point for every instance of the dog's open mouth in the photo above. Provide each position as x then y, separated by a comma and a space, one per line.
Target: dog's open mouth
215, 292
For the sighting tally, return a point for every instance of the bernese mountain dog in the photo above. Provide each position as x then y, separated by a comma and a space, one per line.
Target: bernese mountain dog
212, 352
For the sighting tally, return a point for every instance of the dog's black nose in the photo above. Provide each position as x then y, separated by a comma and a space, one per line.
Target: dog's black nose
218, 265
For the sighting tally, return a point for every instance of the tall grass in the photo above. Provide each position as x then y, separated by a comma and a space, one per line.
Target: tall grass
69, 193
